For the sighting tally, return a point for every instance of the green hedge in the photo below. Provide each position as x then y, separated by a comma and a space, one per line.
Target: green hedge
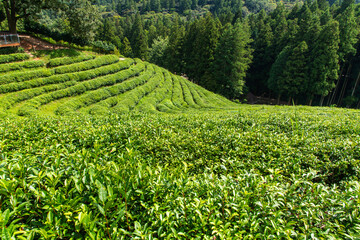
13, 98
163, 90
78, 76
69, 60
13, 57
177, 95
187, 93
21, 65
24, 76
97, 62
30, 107
102, 94
130, 99
103, 106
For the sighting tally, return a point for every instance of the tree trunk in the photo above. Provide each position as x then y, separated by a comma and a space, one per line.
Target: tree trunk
332, 98
278, 99
311, 99
322, 100
356, 83
343, 89
11, 15
12, 25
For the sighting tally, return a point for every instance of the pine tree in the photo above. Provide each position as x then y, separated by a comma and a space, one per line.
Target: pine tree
295, 74
126, 47
348, 33
325, 61
276, 75
263, 55
232, 58
173, 52
139, 40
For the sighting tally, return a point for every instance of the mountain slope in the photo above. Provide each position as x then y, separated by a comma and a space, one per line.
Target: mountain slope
97, 85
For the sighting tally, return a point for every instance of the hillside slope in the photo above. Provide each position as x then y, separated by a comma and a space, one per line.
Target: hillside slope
96, 85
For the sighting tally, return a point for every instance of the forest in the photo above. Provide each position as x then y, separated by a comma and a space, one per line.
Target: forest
295, 52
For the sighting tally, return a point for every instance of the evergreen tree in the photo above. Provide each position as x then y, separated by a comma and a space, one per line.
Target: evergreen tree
295, 73
232, 58
263, 55
276, 75
348, 33
205, 45
325, 61
173, 52
126, 47
157, 53
139, 40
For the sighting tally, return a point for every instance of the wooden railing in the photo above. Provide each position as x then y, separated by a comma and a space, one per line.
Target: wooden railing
9, 40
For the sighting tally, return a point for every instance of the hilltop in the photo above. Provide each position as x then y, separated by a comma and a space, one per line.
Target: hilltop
97, 85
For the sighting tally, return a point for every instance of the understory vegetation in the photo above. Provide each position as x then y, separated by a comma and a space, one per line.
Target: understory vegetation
254, 172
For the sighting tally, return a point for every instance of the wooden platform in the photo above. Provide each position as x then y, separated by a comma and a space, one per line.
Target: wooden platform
9, 40
10, 45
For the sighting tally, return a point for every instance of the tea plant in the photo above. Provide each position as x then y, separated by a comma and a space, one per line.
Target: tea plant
251, 173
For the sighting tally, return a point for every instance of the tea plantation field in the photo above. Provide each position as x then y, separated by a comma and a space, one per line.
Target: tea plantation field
101, 147
95, 85
254, 172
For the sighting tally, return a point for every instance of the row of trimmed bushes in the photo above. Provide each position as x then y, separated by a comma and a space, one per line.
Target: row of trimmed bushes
166, 105
216, 100
103, 94
131, 98
82, 66
13, 57
24, 76
187, 93
195, 95
16, 97
177, 94
163, 90
69, 60
77, 76
30, 107
103, 106
20, 65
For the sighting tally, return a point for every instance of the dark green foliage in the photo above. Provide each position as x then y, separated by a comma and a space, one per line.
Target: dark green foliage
263, 54
348, 33
325, 60
139, 40
276, 75
232, 59
295, 73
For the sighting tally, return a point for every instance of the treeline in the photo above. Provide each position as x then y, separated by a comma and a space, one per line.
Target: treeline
306, 54
125, 7
204, 49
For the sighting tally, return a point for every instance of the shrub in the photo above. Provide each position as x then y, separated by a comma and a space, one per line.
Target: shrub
21, 65
13, 57
69, 60
95, 63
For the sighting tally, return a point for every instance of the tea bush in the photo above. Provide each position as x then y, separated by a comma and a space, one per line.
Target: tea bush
251, 173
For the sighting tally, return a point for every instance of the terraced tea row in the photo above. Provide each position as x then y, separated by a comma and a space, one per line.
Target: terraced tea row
98, 85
